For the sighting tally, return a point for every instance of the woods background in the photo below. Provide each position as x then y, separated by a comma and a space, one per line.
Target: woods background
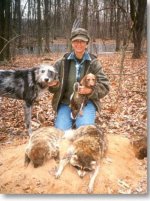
37, 23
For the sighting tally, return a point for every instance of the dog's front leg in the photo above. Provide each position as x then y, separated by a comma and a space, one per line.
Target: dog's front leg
28, 113
92, 180
62, 164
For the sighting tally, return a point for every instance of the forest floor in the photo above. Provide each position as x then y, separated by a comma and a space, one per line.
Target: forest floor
123, 117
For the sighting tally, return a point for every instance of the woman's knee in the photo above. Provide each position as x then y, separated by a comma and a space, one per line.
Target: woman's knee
63, 119
88, 117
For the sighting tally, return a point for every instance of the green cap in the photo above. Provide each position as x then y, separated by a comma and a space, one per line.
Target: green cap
80, 34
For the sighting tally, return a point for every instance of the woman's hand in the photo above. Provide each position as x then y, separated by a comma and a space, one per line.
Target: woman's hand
54, 83
84, 90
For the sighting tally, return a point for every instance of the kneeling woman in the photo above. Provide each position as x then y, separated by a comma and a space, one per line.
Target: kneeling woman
71, 68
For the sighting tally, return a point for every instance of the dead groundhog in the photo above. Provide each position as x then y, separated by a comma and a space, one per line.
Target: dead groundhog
43, 145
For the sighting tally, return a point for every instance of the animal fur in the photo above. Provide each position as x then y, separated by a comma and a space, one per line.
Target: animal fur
89, 146
78, 101
43, 145
26, 85
88, 80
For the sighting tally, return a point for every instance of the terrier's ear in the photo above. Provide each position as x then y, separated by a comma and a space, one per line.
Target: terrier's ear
83, 81
76, 86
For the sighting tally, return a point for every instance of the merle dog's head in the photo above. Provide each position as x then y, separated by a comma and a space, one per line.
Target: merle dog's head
45, 74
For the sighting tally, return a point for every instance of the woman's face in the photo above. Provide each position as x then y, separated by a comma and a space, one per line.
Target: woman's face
79, 46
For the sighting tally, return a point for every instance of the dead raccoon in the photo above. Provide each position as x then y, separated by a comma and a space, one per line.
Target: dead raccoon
88, 147
43, 145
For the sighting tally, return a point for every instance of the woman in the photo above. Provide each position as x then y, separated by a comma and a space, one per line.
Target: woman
71, 68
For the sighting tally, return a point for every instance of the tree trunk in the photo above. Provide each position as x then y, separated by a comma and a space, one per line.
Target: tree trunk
58, 16
97, 28
111, 19
2, 25
46, 18
137, 16
72, 13
39, 27
117, 27
4, 29
85, 15
17, 21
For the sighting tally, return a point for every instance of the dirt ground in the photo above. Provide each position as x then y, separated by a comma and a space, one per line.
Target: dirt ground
120, 172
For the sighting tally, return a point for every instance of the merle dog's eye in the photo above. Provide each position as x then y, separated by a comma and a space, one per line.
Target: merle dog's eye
50, 73
42, 71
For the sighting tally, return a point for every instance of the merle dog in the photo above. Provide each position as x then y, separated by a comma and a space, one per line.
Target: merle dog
26, 84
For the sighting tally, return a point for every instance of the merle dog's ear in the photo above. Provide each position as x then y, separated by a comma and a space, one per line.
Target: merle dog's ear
56, 76
37, 70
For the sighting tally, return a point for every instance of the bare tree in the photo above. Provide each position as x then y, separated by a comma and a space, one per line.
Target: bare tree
39, 26
2, 26
117, 22
72, 12
4, 29
138, 9
112, 10
46, 19
85, 15
17, 22
97, 32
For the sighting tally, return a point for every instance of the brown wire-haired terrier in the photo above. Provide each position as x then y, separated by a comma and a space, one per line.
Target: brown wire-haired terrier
78, 101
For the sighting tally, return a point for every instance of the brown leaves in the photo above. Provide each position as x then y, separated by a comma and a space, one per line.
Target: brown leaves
126, 108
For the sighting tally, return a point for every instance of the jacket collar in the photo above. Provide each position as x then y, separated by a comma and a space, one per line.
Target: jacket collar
86, 57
